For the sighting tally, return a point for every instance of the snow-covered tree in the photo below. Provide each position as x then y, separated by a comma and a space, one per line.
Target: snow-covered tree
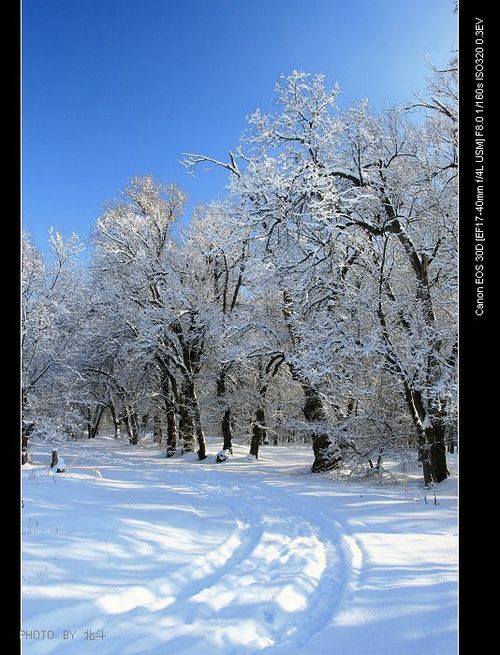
52, 320
356, 212
329, 272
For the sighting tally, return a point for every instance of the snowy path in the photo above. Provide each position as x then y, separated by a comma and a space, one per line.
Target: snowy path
177, 556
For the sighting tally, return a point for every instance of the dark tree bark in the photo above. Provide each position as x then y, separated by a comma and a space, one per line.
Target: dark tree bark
326, 455
116, 421
193, 410
432, 449
191, 339
24, 451
436, 468
144, 424
169, 394
186, 422
94, 420
259, 432
186, 430
132, 426
190, 426
26, 429
227, 430
157, 431
431, 437
171, 433
259, 429
200, 437
452, 442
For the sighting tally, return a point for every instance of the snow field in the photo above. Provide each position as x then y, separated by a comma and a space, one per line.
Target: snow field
180, 556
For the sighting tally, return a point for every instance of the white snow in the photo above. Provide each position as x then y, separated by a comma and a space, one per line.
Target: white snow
175, 556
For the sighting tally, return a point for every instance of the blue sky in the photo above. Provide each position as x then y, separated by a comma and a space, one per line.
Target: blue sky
116, 88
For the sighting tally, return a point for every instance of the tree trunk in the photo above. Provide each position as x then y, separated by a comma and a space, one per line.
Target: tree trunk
431, 437
171, 433
116, 421
157, 431
200, 437
259, 432
186, 430
452, 442
190, 425
132, 427
432, 454
93, 421
432, 440
186, 423
195, 413
326, 453
190, 417
168, 392
26, 430
97, 422
144, 424
227, 430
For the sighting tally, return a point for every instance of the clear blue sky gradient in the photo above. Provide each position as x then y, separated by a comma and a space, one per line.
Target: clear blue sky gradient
116, 88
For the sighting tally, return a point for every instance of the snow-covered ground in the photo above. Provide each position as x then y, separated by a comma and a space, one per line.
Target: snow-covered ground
198, 558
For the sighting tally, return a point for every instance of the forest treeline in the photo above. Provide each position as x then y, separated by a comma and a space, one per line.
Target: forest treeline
316, 302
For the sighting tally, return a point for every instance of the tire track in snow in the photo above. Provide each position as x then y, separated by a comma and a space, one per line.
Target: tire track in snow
231, 552
343, 561
218, 562
274, 530
342, 554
